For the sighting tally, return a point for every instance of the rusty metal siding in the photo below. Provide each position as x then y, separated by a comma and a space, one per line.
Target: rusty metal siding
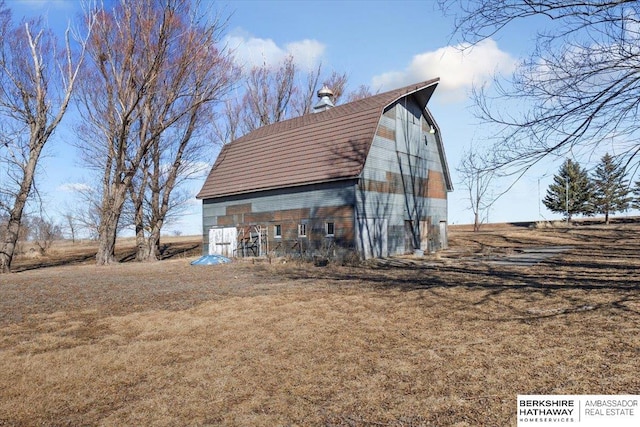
312, 205
403, 178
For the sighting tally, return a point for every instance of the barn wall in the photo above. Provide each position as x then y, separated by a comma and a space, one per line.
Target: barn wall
403, 181
313, 205
398, 204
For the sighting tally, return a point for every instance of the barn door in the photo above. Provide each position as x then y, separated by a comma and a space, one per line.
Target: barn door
223, 241
443, 235
424, 235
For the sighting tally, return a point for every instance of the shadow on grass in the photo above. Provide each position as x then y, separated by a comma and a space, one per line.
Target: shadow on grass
124, 255
52, 262
167, 251
581, 282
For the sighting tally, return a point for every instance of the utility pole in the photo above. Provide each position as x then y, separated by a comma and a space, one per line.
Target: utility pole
566, 197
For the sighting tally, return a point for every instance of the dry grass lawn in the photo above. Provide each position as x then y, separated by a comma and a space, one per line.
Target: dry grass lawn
445, 341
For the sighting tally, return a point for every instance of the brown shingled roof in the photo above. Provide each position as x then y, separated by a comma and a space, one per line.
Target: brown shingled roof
313, 148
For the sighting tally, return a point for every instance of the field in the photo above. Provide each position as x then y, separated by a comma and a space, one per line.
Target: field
448, 340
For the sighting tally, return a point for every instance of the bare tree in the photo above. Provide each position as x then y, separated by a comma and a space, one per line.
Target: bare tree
337, 82
44, 232
126, 50
173, 159
477, 178
36, 84
193, 81
82, 215
71, 224
272, 94
306, 93
154, 67
227, 124
267, 94
578, 88
362, 92
87, 210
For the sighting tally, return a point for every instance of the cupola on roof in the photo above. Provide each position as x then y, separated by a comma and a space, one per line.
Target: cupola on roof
326, 100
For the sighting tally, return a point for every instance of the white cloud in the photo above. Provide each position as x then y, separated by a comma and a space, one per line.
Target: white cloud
253, 51
39, 4
74, 187
459, 69
306, 53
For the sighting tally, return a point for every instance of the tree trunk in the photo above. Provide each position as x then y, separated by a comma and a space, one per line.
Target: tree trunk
9, 244
108, 229
153, 247
476, 221
146, 252
148, 248
141, 244
107, 244
15, 217
152, 244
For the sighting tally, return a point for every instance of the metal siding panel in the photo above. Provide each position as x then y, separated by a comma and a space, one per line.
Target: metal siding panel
394, 208
387, 122
213, 209
433, 154
313, 197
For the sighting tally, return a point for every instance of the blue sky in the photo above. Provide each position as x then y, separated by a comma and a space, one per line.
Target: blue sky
383, 44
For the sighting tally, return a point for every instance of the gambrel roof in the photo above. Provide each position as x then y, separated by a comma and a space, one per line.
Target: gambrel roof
318, 147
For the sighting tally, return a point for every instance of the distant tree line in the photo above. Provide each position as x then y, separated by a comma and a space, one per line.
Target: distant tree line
37, 230
605, 190
575, 190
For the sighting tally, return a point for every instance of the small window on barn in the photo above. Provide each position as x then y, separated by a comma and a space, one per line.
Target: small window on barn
330, 229
302, 230
277, 231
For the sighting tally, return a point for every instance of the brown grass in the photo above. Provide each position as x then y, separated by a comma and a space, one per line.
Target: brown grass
65, 252
449, 340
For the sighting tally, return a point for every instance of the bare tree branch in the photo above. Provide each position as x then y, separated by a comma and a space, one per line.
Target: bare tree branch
578, 88
35, 91
477, 179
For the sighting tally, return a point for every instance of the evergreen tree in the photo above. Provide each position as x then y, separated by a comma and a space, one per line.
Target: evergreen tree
635, 200
610, 186
571, 191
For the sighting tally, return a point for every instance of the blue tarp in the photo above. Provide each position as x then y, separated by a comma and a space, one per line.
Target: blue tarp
211, 260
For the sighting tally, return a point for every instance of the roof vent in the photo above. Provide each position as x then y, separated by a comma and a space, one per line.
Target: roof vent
326, 100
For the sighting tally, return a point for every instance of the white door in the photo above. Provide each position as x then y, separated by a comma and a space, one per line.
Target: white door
223, 241
443, 235
424, 235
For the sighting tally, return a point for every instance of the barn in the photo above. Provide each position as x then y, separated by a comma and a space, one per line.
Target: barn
368, 177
